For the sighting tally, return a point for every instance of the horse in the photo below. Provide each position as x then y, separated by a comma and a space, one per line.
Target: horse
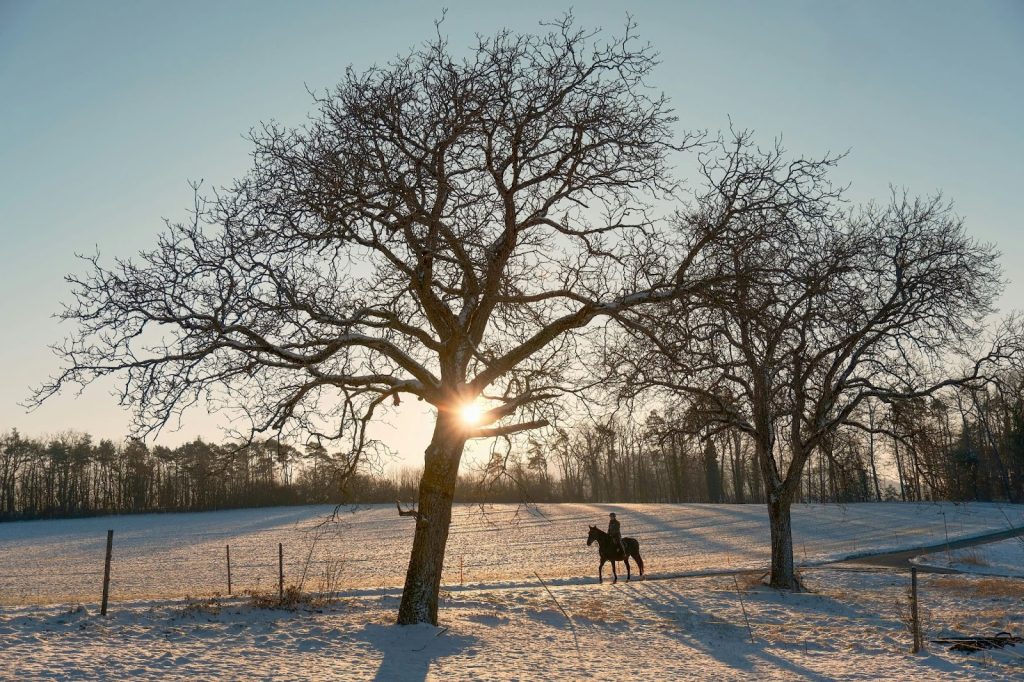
609, 551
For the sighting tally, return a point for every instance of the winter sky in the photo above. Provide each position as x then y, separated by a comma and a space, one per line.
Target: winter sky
109, 108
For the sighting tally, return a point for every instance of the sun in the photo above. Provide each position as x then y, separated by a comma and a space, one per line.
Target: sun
471, 413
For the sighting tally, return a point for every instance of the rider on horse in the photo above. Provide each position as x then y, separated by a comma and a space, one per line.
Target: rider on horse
615, 532
613, 547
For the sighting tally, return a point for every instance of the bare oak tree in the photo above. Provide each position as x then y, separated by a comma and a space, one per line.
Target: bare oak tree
819, 308
443, 228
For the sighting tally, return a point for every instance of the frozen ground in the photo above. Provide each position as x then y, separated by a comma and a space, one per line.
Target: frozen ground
502, 624
850, 628
175, 555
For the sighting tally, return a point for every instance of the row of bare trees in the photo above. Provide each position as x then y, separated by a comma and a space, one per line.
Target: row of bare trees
73, 475
961, 444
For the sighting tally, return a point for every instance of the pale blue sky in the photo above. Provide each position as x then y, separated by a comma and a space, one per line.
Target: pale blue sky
108, 108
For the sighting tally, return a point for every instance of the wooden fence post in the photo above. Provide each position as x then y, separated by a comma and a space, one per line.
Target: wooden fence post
228, 548
106, 572
916, 621
280, 571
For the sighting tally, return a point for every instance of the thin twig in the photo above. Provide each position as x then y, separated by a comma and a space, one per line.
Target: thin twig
436, 634
567, 617
572, 625
1009, 523
743, 608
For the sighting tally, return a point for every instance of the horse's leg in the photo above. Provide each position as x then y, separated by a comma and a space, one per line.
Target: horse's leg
615, 573
600, 570
628, 572
639, 561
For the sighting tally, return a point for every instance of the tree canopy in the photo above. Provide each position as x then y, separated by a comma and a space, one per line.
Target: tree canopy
443, 227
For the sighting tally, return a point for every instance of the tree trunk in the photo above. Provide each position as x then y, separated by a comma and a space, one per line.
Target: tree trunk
874, 470
738, 465
1004, 478
899, 469
437, 488
711, 475
783, 575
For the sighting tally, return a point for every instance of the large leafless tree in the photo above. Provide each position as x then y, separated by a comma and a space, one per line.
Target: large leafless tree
444, 228
819, 308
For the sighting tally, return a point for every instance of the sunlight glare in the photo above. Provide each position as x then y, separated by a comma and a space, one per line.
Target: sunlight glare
471, 414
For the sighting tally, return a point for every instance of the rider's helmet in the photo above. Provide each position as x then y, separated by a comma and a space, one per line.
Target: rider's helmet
612, 515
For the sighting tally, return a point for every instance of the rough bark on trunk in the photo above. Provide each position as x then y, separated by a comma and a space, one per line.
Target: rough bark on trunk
437, 488
783, 575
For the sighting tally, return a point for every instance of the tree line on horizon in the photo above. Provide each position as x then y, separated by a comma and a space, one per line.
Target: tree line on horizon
965, 445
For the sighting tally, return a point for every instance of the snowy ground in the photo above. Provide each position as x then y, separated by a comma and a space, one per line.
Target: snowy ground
1005, 558
851, 627
501, 625
176, 555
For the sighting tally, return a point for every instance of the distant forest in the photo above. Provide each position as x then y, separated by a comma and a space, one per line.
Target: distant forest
964, 445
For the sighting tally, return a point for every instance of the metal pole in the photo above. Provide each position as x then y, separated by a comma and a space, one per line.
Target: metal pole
228, 548
106, 572
280, 571
913, 610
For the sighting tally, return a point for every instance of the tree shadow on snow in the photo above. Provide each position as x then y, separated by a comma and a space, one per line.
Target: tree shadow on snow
408, 651
701, 528
694, 627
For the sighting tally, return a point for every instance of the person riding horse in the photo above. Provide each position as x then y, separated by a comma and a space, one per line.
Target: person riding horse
612, 549
615, 532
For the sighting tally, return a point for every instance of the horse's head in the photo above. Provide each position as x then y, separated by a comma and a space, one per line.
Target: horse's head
593, 535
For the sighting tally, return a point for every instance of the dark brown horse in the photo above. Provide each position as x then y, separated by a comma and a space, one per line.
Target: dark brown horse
609, 551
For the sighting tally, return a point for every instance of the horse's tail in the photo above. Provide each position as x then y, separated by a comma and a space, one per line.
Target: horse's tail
639, 560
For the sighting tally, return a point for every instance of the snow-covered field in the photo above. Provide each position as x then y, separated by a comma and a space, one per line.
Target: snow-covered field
176, 555
1005, 558
850, 628
502, 624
